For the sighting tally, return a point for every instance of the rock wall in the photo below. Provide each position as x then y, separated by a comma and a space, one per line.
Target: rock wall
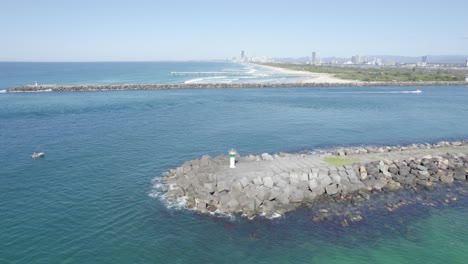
67, 88
206, 187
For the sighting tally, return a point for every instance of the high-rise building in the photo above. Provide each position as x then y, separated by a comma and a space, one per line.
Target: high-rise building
356, 59
242, 55
466, 63
364, 59
313, 58
424, 61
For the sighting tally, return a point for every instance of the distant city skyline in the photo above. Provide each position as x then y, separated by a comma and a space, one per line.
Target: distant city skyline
144, 30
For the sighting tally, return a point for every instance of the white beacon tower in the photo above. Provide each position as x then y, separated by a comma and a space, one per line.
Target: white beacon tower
232, 159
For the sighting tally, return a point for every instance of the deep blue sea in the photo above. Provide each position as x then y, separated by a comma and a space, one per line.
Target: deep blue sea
89, 199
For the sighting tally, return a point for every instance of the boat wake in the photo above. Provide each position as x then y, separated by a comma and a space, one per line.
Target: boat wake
387, 92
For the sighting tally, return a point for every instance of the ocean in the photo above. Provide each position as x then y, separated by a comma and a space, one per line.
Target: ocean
20, 73
91, 198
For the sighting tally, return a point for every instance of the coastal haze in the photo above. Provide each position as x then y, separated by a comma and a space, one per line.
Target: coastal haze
141, 109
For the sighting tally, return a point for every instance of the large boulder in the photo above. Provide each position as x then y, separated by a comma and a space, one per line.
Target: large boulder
268, 182
222, 186
210, 187
404, 170
303, 177
335, 178
325, 181
331, 189
236, 186
460, 174
446, 178
266, 156
274, 193
313, 184
297, 196
262, 193
423, 175
281, 183
244, 182
258, 181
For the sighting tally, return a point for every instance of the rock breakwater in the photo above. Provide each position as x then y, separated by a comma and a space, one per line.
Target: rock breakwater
71, 88
274, 184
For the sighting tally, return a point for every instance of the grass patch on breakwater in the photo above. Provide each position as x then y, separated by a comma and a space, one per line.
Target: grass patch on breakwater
340, 161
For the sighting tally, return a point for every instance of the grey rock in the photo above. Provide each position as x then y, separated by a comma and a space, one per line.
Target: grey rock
423, 175
393, 169
283, 199
222, 186
331, 189
297, 196
293, 176
244, 181
459, 174
404, 170
236, 186
313, 184
313, 175
187, 167
343, 173
446, 178
275, 192
335, 178
210, 187
258, 181
421, 168
304, 177
233, 204
179, 171
268, 182
325, 181
322, 175
262, 193
266, 156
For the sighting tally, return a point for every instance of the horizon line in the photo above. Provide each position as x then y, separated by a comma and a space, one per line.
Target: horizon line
216, 60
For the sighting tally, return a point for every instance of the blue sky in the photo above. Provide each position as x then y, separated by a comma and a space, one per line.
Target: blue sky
144, 30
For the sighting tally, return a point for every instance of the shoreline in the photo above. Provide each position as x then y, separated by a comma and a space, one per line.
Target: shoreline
272, 185
310, 77
117, 87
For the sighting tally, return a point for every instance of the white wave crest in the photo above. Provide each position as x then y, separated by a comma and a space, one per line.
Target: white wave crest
194, 80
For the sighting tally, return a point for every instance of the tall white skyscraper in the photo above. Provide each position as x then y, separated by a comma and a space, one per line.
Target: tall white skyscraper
356, 59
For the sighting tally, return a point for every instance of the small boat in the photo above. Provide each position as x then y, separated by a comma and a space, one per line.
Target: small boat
37, 155
418, 91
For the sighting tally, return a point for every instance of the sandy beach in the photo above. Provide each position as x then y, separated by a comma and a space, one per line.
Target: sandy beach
310, 77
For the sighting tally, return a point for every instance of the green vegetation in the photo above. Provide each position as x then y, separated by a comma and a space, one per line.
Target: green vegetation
384, 74
340, 161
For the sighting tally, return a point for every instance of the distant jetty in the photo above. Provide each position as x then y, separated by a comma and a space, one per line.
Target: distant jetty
71, 88
274, 184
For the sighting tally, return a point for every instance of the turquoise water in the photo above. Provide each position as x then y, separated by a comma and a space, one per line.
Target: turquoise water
88, 200
14, 74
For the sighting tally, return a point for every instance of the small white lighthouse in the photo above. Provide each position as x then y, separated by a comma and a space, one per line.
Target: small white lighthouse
35, 83
232, 159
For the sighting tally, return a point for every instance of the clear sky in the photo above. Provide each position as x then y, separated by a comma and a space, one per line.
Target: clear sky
146, 30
